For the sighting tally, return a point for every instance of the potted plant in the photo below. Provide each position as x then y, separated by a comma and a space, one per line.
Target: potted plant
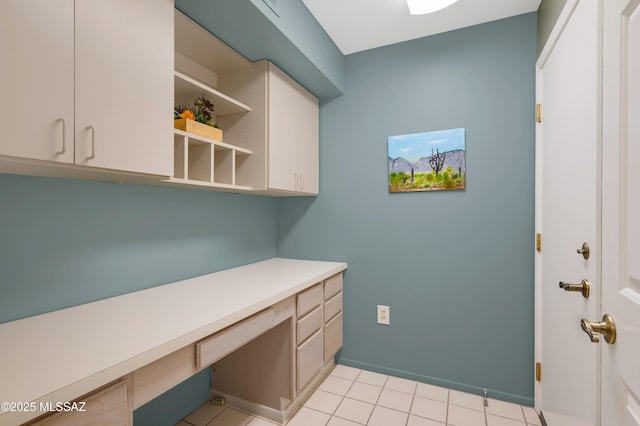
197, 119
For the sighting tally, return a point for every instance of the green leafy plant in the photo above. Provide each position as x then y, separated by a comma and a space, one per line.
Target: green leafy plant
201, 111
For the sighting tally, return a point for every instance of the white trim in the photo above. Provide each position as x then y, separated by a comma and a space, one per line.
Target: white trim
558, 28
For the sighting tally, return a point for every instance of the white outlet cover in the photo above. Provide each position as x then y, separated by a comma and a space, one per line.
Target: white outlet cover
383, 314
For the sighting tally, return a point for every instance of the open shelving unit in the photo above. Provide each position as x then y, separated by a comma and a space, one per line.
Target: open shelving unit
186, 87
205, 66
206, 162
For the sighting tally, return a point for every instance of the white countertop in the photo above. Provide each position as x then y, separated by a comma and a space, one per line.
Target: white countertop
61, 355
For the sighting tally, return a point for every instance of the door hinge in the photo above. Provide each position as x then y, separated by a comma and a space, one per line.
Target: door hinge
538, 242
538, 371
538, 113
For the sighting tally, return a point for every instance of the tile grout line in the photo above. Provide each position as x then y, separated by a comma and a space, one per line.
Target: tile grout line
412, 404
446, 416
342, 396
411, 407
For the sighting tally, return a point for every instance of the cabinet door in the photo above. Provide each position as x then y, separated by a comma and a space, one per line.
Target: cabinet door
124, 85
308, 134
283, 102
310, 359
333, 337
36, 43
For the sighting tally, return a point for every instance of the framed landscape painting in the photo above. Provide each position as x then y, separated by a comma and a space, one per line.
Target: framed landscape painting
429, 161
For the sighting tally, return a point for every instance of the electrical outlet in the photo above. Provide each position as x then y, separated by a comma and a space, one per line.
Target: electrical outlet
383, 314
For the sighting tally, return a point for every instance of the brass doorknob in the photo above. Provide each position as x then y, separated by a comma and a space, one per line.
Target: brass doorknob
607, 327
584, 287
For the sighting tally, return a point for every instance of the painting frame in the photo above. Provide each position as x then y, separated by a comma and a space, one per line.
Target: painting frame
427, 161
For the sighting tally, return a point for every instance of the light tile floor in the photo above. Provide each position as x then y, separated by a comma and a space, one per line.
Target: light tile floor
351, 397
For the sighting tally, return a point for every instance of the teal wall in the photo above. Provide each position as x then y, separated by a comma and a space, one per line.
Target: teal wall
67, 242
456, 268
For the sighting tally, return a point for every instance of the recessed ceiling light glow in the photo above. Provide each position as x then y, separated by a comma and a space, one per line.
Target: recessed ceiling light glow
420, 7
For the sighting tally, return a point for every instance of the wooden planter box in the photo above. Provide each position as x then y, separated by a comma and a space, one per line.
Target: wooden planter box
197, 128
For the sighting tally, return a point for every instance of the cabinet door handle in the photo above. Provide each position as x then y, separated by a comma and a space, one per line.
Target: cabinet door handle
295, 181
64, 136
301, 186
93, 142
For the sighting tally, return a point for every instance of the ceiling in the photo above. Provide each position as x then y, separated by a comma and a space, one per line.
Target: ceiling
356, 25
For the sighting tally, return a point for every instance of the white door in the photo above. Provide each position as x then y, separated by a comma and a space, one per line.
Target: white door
567, 146
621, 212
36, 111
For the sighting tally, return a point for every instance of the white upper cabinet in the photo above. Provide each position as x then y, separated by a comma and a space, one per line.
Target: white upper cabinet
88, 82
270, 123
88, 88
36, 112
292, 134
124, 80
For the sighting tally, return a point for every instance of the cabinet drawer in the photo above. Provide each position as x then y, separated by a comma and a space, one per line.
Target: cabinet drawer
309, 299
332, 286
310, 361
106, 407
332, 307
309, 324
332, 337
221, 344
158, 377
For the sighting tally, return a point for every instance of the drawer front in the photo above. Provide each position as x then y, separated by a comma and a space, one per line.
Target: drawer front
158, 377
107, 407
221, 344
332, 337
332, 307
309, 324
332, 286
309, 299
310, 360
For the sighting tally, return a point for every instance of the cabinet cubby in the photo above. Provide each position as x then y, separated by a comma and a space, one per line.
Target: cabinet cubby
204, 66
207, 162
269, 122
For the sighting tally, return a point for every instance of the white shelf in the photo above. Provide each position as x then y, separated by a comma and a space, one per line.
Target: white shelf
188, 183
205, 66
213, 142
187, 90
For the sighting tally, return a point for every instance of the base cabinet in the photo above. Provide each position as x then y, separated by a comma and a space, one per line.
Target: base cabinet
278, 356
310, 335
242, 323
275, 372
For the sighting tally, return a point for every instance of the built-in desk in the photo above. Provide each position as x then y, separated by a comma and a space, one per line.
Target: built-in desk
97, 348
